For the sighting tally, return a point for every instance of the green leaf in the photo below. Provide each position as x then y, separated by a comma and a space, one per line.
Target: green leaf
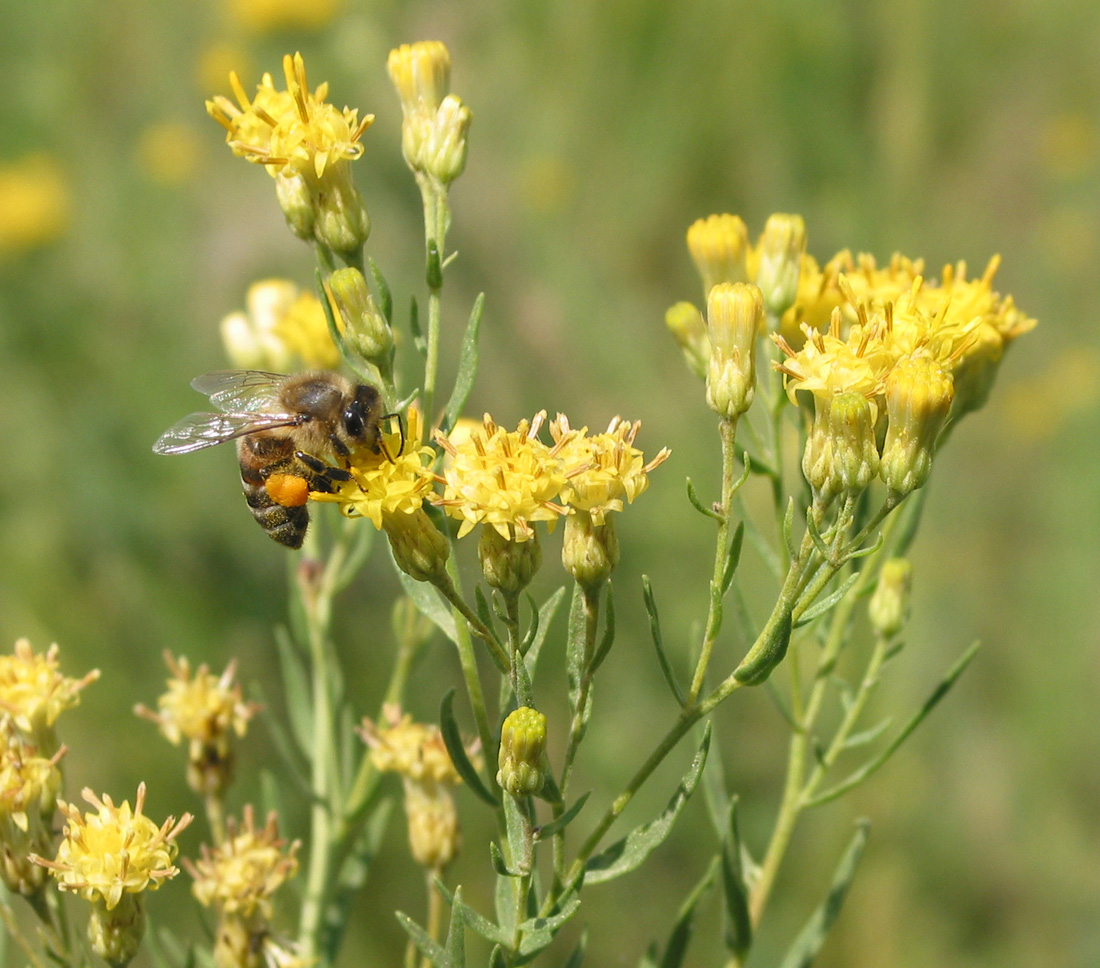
857, 777
693, 497
910, 516
517, 824
677, 944
608, 638
500, 865
285, 746
476, 922
733, 557
537, 933
767, 653
547, 830
456, 934
452, 739
815, 533
419, 342
655, 631
423, 941
627, 854
433, 271
735, 888
820, 608
714, 790
810, 939
429, 603
574, 646
385, 296
467, 367
867, 736
576, 958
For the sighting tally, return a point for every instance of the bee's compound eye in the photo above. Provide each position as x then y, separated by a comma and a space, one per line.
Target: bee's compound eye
353, 421
289, 490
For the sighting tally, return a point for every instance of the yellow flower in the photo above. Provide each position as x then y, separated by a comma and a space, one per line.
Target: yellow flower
289, 130
263, 16
604, 469
415, 750
33, 693
504, 479
169, 152
718, 245
35, 203
282, 329
28, 797
114, 850
239, 877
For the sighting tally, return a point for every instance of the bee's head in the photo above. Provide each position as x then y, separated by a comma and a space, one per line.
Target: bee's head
360, 417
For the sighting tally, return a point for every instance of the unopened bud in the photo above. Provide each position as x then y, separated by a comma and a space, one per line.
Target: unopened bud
918, 400
522, 752
419, 548
889, 605
421, 73
718, 245
508, 565
342, 221
841, 454
589, 551
735, 313
296, 200
444, 154
116, 934
365, 328
781, 248
688, 328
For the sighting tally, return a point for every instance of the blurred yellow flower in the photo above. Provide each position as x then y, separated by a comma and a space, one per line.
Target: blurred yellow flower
35, 202
168, 152
505, 479
33, 693
239, 877
282, 329
415, 750
262, 16
114, 850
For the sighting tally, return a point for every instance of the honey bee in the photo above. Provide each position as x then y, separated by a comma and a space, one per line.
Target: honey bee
286, 427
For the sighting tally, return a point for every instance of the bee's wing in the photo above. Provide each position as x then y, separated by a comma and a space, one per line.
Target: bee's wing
198, 430
236, 391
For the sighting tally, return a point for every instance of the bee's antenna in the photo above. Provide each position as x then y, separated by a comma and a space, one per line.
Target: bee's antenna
401, 427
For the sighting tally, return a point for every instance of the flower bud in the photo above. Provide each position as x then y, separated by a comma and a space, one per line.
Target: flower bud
508, 565
974, 372
688, 328
718, 246
918, 400
116, 933
419, 548
433, 825
735, 313
841, 454
589, 551
342, 221
889, 605
421, 73
296, 200
522, 752
781, 248
444, 154
365, 328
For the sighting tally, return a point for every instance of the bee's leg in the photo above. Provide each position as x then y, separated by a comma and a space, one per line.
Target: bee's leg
322, 476
338, 446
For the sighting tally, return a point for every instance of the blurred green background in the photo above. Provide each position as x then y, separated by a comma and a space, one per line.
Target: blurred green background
602, 129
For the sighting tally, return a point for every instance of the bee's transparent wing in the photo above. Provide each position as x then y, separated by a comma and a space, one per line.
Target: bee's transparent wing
198, 430
236, 391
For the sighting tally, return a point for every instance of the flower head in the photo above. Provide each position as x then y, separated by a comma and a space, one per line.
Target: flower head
282, 329
33, 693
415, 750
505, 479
240, 877
114, 850
718, 245
28, 795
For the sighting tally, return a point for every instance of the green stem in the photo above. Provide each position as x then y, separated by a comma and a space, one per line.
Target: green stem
728, 431
576, 727
436, 218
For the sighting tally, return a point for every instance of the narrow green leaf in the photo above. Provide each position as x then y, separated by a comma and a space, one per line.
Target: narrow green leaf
541, 629
678, 939
433, 270
419, 342
649, 959
285, 746
497, 958
715, 798
574, 646
810, 939
733, 557
814, 532
866, 550
655, 632
537, 933
456, 934
759, 466
868, 735
693, 497
385, 295
452, 739
467, 367
500, 865
297, 689
481, 605
423, 941
857, 777
767, 653
476, 922
735, 889
906, 528
576, 958
516, 825
547, 830
603, 647
430, 604
833, 598
627, 854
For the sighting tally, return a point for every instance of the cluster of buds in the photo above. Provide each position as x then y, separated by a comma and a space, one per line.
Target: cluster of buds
239, 879
206, 711
435, 122
417, 752
33, 694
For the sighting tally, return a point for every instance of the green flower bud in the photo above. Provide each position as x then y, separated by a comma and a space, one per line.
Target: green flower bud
342, 221
841, 455
296, 200
365, 328
508, 565
889, 606
522, 757
686, 324
419, 548
116, 934
918, 399
735, 313
589, 551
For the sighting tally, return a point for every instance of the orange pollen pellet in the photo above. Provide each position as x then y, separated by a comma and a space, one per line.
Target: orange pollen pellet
289, 490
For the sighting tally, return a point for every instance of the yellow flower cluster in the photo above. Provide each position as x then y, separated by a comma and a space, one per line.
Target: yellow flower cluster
29, 784
33, 693
289, 130
240, 877
114, 850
